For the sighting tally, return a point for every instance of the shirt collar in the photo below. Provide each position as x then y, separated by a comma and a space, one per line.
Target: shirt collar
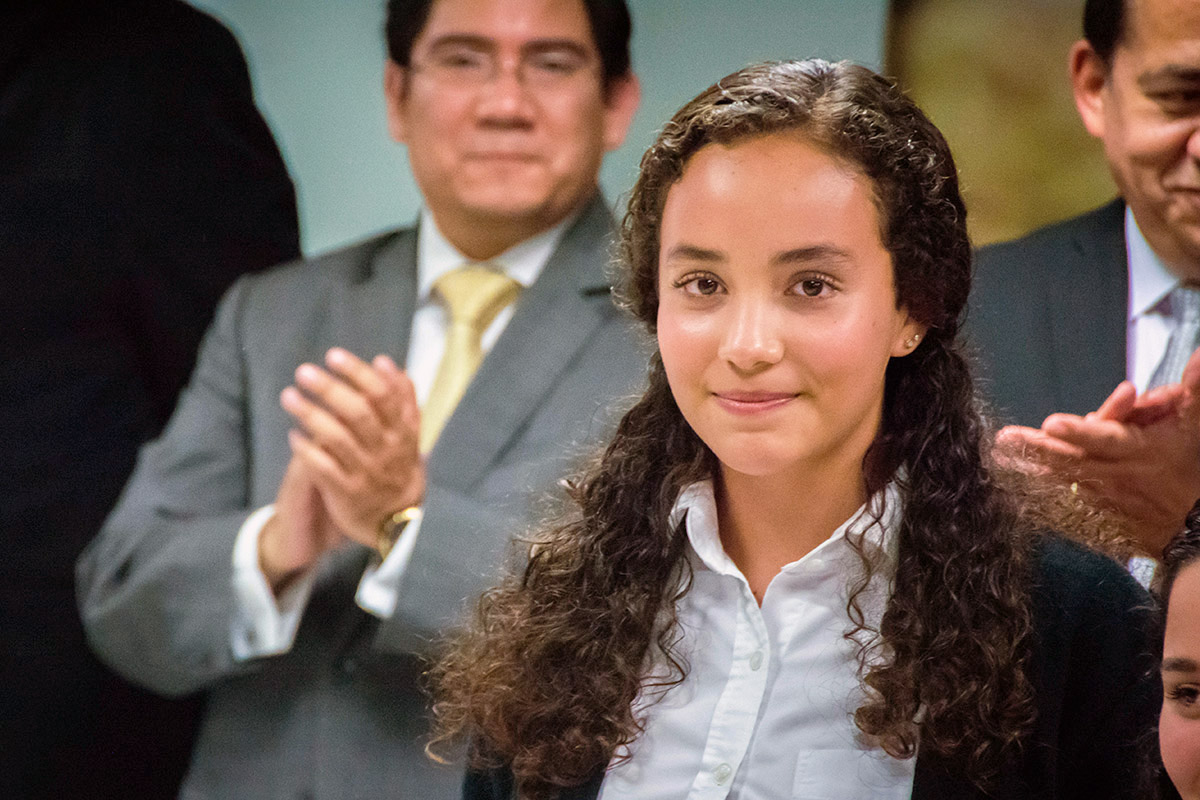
1149, 279
875, 521
522, 262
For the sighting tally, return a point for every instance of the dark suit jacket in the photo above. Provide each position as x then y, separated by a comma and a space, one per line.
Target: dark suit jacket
137, 181
1098, 693
340, 715
1047, 317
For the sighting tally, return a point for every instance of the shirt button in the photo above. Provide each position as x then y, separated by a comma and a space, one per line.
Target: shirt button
756, 659
722, 773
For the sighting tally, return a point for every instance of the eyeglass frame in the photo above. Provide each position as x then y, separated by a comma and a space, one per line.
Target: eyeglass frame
466, 61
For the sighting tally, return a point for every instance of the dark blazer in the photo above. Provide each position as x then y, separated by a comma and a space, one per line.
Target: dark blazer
137, 181
341, 714
1047, 317
1094, 674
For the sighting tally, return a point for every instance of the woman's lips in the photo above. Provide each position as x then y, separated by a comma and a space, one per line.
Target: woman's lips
742, 402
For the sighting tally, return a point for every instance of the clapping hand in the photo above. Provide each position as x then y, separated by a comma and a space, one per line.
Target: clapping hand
355, 459
1139, 456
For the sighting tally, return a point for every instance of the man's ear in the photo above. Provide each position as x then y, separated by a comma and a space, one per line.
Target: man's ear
1089, 82
622, 97
395, 88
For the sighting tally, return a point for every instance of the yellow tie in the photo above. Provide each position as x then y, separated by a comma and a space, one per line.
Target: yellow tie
473, 295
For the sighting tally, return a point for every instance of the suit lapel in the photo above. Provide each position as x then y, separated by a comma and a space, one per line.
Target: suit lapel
553, 319
374, 313
1091, 295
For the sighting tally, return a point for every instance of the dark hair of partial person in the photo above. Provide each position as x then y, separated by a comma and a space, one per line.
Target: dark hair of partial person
1183, 551
611, 26
1104, 24
544, 679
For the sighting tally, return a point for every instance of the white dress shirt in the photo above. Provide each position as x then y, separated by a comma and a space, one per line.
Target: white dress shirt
766, 710
1149, 321
266, 625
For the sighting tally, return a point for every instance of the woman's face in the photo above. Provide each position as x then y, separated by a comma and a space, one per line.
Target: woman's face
1179, 725
777, 313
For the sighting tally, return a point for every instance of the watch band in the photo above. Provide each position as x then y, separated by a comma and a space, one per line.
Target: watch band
392, 526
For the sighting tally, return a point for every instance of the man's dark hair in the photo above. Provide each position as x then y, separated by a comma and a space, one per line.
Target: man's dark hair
609, 19
1104, 26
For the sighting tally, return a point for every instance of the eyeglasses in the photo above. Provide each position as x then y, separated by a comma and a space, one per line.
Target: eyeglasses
471, 65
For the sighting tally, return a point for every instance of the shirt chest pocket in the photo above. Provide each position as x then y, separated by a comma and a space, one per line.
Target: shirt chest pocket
851, 774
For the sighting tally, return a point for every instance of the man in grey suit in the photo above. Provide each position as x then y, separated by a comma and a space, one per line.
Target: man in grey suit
1066, 314
285, 545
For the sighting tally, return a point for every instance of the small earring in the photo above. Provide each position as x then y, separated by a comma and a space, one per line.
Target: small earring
912, 341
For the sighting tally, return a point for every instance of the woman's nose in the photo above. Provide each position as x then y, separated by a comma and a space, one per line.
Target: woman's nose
752, 339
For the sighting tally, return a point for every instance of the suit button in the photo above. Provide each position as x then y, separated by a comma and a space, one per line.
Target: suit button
350, 666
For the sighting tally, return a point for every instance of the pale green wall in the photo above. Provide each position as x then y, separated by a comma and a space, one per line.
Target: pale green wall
317, 70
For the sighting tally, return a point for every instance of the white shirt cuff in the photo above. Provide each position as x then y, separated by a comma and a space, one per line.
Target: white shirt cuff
1142, 569
379, 588
262, 624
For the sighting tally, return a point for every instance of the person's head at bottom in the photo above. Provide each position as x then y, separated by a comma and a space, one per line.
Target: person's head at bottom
1179, 724
797, 244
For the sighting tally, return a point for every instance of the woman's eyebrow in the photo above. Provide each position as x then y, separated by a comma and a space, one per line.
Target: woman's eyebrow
1180, 665
690, 252
816, 252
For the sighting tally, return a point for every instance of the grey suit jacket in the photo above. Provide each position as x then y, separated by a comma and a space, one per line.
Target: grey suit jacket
1047, 317
341, 715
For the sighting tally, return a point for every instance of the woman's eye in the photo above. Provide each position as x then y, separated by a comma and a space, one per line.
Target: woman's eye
700, 285
811, 287
1184, 695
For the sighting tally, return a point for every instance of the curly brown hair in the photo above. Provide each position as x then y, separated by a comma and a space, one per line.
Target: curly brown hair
545, 678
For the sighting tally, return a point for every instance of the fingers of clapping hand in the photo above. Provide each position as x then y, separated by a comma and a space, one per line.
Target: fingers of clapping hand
358, 435
353, 409
1034, 452
381, 384
402, 395
318, 459
322, 426
1118, 405
1155, 405
1094, 438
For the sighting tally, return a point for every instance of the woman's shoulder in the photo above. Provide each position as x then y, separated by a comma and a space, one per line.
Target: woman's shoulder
1085, 601
1080, 578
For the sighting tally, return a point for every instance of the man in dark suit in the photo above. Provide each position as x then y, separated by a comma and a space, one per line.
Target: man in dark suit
285, 544
1109, 299
138, 181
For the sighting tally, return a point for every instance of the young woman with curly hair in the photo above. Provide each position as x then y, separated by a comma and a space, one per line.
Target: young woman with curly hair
792, 573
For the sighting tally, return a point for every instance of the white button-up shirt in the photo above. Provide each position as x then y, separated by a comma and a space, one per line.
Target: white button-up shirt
766, 710
1149, 323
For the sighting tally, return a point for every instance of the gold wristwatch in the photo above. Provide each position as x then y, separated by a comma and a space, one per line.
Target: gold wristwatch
392, 526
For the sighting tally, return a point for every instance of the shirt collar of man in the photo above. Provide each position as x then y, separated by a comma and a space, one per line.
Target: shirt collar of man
876, 521
1149, 279
523, 262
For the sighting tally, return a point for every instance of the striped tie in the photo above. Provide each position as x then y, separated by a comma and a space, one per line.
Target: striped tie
1184, 303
